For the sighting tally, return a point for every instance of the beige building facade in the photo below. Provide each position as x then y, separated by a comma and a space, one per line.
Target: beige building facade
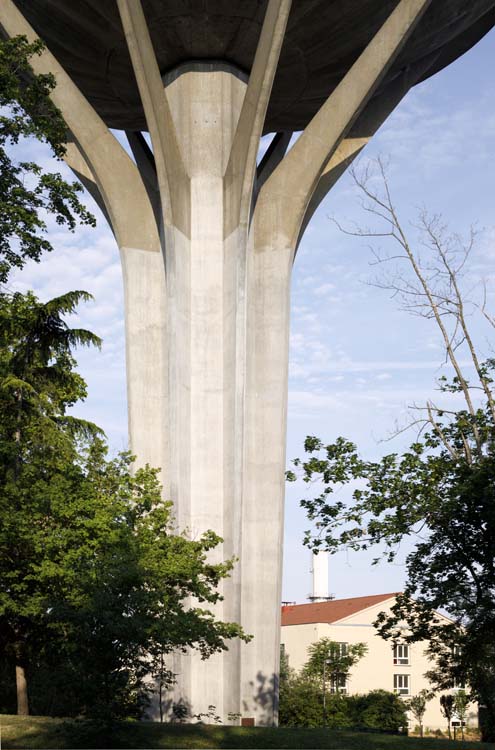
349, 621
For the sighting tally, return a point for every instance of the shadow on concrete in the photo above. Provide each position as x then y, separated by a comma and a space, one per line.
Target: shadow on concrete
266, 698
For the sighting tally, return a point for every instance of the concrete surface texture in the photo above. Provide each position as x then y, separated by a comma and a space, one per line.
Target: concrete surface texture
323, 39
208, 238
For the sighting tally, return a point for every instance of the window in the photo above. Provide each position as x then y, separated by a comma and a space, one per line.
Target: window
338, 684
401, 684
339, 650
401, 654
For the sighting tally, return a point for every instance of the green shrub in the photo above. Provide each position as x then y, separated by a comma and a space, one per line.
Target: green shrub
378, 709
301, 705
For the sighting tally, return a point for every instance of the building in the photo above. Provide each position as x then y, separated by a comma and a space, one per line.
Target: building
346, 621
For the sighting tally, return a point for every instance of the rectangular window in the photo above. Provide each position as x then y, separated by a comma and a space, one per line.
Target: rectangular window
401, 684
339, 650
338, 684
401, 654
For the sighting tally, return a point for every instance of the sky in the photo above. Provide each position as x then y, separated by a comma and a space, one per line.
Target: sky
356, 361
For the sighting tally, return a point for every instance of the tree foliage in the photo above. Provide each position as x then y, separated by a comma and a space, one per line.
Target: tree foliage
447, 709
28, 195
441, 490
306, 699
301, 705
417, 706
380, 710
328, 659
96, 581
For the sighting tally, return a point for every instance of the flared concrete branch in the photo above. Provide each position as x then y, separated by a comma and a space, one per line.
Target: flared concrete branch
272, 157
76, 161
365, 127
145, 161
293, 182
241, 168
115, 174
172, 177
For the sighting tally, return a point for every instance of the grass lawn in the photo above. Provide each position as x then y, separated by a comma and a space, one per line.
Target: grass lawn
47, 734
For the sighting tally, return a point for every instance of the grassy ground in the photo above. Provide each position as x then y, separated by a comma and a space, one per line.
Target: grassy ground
42, 733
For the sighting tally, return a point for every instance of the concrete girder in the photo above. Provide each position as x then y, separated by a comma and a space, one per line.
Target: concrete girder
241, 167
295, 179
365, 127
272, 158
172, 178
78, 164
145, 161
111, 176
115, 174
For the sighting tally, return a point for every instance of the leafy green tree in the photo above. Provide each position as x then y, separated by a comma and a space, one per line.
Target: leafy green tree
131, 575
284, 669
461, 703
94, 579
453, 569
417, 706
301, 702
329, 660
379, 710
305, 699
452, 502
27, 194
440, 490
447, 709
301, 705
37, 385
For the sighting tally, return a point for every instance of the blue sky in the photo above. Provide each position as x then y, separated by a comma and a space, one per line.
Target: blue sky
356, 362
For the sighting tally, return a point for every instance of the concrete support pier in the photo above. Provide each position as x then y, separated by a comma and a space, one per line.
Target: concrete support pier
226, 344
207, 239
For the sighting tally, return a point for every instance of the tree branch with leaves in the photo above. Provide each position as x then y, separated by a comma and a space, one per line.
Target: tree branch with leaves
440, 491
29, 195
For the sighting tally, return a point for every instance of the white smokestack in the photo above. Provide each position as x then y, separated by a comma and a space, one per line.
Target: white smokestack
320, 577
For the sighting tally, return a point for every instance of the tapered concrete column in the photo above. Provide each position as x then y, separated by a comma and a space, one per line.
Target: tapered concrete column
227, 342
146, 357
203, 303
267, 346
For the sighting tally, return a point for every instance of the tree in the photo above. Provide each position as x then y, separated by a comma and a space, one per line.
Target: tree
95, 579
417, 706
285, 670
447, 708
131, 583
300, 702
303, 697
329, 660
442, 489
37, 384
27, 193
301, 705
379, 710
461, 703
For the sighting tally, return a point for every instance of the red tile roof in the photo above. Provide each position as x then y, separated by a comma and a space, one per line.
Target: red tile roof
332, 611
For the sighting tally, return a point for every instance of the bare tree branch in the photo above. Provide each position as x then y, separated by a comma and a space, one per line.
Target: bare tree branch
438, 264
